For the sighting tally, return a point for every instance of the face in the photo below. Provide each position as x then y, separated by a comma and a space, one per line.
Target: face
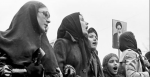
83, 25
113, 65
119, 29
43, 18
93, 40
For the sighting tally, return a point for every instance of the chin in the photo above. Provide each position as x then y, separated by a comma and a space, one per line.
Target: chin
93, 48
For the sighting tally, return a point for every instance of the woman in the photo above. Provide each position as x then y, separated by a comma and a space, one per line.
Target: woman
71, 47
110, 65
134, 66
25, 39
95, 64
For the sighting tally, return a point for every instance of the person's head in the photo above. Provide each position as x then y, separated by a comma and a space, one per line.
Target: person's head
119, 27
74, 24
34, 13
43, 18
147, 55
111, 63
127, 41
93, 37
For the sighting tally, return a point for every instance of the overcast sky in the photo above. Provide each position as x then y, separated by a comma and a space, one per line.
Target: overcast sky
98, 13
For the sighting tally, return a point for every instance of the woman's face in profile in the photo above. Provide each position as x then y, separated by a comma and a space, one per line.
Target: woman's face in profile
43, 18
84, 25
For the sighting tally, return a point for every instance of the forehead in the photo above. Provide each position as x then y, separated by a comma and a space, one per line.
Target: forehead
92, 33
118, 26
113, 58
43, 9
80, 16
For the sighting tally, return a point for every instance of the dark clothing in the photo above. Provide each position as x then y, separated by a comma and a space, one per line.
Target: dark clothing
24, 37
127, 41
131, 56
72, 46
115, 41
68, 52
107, 74
71, 24
95, 66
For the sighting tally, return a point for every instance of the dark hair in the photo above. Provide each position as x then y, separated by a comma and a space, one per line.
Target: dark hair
90, 30
118, 23
147, 55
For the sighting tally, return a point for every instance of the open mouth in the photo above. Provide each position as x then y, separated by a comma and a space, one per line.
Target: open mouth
94, 43
115, 68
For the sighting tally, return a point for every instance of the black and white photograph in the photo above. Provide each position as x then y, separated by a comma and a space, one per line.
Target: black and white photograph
74, 38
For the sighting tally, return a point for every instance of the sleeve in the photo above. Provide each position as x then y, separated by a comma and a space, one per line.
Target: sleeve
60, 49
133, 65
100, 74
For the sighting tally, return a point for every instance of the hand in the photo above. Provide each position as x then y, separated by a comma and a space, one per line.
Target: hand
6, 71
60, 73
69, 70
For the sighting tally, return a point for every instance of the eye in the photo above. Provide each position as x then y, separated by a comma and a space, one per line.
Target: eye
91, 36
111, 61
45, 13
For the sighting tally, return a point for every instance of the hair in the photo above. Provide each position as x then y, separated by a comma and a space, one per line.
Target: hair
147, 55
107, 57
118, 23
90, 30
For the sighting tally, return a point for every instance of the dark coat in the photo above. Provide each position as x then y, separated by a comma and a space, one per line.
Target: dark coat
68, 52
115, 41
25, 37
95, 66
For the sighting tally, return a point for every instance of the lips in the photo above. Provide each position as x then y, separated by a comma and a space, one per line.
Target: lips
115, 68
94, 43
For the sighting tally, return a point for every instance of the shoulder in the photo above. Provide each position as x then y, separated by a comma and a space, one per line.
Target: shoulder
131, 54
62, 41
127, 55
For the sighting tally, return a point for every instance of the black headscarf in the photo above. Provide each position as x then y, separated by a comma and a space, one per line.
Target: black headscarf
24, 37
71, 24
127, 41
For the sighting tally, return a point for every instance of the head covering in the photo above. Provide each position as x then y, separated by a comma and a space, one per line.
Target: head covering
49, 61
71, 24
105, 64
90, 30
23, 37
147, 55
127, 41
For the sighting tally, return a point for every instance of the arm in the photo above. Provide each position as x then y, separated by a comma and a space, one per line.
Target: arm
133, 66
60, 53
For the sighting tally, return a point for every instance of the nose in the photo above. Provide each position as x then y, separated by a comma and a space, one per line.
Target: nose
95, 39
48, 21
115, 62
86, 23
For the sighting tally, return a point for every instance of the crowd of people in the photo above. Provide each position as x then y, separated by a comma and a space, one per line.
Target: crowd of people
25, 50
